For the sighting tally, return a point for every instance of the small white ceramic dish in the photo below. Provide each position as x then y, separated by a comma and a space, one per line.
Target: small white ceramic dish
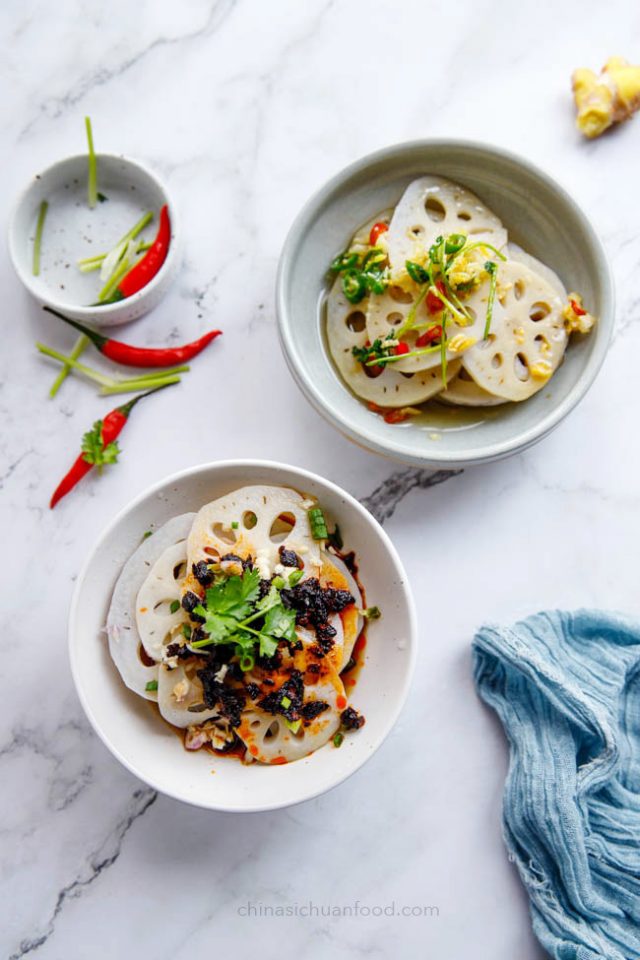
131, 727
539, 215
73, 231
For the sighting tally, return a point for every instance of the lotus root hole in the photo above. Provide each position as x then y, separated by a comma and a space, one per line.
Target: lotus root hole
496, 360
222, 532
282, 527
538, 311
465, 375
543, 343
272, 730
521, 367
399, 295
416, 231
144, 657
356, 321
180, 570
464, 215
435, 209
407, 376
393, 319
249, 519
163, 608
518, 289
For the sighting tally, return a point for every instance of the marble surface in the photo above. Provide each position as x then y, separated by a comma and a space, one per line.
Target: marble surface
245, 108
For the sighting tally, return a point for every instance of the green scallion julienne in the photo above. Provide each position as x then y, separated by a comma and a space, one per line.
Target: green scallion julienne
318, 524
92, 188
78, 349
492, 270
37, 243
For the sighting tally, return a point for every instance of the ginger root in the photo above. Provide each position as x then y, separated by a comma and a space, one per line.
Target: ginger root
609, 98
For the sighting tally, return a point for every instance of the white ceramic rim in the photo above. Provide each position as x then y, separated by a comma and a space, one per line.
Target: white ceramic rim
304, 475
110, 309
394, 449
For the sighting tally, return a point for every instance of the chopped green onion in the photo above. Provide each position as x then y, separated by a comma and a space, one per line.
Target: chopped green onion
175, 606
417, 273
318, 524
294, 725
353, 286
151, 685
101, 197
186, 631
492, 270
234, 525
92, 190
278, 582
436, 251
78, 349
247, 662
147, 534
285, 702
337, 740
37, 243
372, 613
295, 577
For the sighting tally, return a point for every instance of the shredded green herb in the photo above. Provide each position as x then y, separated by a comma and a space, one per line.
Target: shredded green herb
92, 188
37, 243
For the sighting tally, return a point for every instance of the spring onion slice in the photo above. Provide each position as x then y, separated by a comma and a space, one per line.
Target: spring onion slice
92, 190
78, 349
37, 243
318, 524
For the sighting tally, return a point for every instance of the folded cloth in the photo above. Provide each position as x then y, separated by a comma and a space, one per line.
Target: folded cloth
566, 687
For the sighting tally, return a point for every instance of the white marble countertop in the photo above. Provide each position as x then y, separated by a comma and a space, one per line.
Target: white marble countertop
246, 108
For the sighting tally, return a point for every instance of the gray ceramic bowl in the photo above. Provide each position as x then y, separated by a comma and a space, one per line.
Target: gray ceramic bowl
538, 214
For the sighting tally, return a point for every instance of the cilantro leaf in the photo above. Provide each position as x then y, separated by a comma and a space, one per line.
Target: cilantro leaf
280, 623
234, 597
268, 645
217, 626
94, 449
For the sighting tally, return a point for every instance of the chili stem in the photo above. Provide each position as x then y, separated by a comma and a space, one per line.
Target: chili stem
92, 190
131, 386
37, 243
70, 362
79, 346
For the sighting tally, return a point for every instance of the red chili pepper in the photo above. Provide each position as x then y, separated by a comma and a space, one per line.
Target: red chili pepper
577, 309
435, 304
145, 270
112, 425
130, 356
401, 348
429, 336
376, 230
397, 415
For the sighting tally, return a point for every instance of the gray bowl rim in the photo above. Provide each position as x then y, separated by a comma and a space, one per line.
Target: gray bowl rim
394, 450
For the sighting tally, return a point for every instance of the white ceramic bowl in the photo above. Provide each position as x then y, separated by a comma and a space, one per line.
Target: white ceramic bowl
73, 231
130, 726
539, 215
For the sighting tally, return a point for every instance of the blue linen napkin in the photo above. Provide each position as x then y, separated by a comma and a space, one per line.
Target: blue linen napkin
566, 687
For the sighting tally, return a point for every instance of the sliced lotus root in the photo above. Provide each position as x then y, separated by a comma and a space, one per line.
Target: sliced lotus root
514, 252
125, 643
335, 573
463, 391
388, 311
431, 207
181, 697
527, 339
267, 736
346, 329
158, 609
254, 521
